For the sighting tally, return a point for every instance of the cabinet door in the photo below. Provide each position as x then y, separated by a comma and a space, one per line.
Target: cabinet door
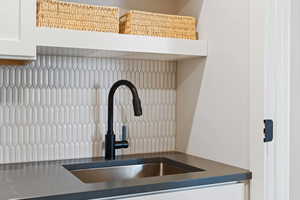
17, 29
226, 192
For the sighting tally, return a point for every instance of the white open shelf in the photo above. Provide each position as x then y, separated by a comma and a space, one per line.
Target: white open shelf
95, 44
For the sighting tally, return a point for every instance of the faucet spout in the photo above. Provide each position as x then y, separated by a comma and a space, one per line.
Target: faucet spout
110, 142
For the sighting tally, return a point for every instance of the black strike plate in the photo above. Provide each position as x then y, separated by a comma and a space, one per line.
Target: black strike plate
268, 131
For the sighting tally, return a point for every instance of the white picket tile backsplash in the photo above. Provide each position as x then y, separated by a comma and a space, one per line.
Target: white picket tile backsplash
56, 107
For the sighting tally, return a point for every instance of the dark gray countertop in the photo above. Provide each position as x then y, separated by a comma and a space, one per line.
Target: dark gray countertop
50, 180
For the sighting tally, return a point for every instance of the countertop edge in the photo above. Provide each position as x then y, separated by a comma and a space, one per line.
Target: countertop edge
159, 187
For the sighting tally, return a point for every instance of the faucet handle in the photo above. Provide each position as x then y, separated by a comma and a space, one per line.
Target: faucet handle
125, 133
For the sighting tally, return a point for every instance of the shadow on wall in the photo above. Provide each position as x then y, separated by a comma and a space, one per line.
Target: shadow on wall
184, 7
165, 6
191, 74
190, 7
218, 86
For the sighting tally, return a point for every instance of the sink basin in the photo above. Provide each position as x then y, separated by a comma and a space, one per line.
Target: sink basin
128, 169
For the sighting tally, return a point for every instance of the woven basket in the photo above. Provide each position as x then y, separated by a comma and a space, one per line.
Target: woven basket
58, 14
160, 25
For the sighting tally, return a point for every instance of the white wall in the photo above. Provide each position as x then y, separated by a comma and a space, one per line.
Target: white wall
213, 93
295, 100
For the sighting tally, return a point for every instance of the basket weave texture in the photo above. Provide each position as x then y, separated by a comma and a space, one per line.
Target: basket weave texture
58, 14
160, 25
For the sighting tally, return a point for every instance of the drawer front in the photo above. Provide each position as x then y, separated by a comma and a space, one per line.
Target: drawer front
225, 192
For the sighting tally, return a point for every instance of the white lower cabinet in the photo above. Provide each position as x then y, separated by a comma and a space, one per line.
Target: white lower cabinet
222, 192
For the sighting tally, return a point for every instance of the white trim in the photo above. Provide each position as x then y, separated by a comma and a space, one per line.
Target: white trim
277, 65
282, 142
270, 48
270, 98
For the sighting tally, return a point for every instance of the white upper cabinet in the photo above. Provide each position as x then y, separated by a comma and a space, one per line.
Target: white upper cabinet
17, 29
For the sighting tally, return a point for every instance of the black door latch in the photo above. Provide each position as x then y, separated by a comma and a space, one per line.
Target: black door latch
268, 131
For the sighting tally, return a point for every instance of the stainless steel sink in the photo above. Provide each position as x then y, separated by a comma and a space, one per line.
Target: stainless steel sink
128, 169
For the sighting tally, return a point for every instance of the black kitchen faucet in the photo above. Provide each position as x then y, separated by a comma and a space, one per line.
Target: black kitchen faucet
110, 138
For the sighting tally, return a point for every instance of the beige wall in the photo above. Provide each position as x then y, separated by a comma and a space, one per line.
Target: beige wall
213, 93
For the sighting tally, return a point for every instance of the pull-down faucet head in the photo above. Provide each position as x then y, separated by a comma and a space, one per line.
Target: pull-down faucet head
137, 107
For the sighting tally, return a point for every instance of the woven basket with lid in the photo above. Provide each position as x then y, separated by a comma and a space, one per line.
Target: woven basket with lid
59, 14
160, 25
